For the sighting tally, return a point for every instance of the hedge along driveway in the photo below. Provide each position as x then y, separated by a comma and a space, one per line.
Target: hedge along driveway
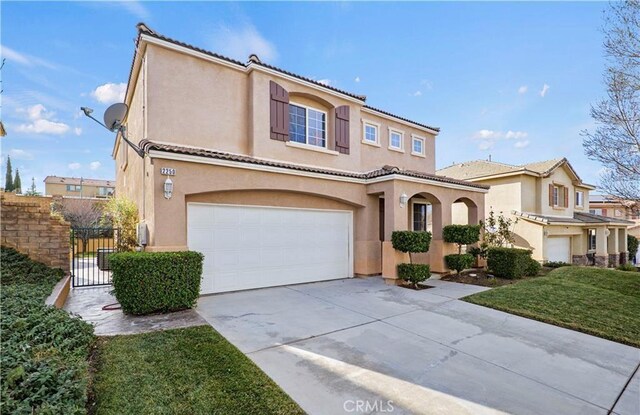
601, 302
184, 371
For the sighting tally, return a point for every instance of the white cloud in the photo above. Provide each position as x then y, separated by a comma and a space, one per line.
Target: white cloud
240, 42
20, 154
357, 79
521, 144
74, 166
523, 89
77, 131
24, 59
485, 145
487, 134
545, 89
518, 135
417, 93
110, 93
41, 121
95, 165
325, 81
135, 8
426, 83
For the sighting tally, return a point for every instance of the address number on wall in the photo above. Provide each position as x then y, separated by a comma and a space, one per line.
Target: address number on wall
167, 171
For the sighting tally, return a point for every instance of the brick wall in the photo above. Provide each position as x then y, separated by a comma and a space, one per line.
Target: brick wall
26, 224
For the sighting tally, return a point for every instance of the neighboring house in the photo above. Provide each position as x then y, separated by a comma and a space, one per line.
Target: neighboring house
274, 177
78, 187
618, 209
551, 204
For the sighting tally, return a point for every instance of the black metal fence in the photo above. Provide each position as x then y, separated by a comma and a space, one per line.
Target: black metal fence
90, 249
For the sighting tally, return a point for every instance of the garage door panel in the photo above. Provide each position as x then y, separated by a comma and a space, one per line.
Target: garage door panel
558, 249
252, 247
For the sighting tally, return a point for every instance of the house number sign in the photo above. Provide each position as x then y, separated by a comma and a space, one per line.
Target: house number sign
167, 171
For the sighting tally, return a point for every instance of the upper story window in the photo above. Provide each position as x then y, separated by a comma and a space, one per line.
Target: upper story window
596, 212
417, 145
396, 140
579, 199
105, 191
74, 188
307, 125
370, 133
556, 195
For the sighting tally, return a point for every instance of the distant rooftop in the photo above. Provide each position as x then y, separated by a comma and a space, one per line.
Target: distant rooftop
79, 181
484, 168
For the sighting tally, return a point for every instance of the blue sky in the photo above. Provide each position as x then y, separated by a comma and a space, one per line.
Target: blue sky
510, 80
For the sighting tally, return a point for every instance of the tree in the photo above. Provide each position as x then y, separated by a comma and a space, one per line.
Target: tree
8, 178
460, 235
82, 214
615, 142
32, 189
497, 231
17, 183
412, 242
122, 214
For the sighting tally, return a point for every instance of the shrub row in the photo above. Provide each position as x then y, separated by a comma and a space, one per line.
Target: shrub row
43, 364
512, 262
414, 273
151, 282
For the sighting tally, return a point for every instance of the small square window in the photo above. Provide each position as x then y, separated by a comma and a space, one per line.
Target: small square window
396, 140
370, 133
579, 199
417, 146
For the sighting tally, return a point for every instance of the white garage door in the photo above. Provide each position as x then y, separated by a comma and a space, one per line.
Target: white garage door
251, 247
558, 249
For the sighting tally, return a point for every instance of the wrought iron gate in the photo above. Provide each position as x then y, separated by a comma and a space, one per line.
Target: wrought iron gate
90, 249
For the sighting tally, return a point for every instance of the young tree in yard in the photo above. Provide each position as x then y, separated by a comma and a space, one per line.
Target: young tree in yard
32, 189
8, 178
615, 142
412, 242
460, 235
82, 214
122, 213
497, 231
17, 183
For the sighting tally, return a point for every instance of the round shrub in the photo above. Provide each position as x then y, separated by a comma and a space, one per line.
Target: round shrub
414, 273
411, 241
461, 234
459, 262
151, 282
509, 262
533, 268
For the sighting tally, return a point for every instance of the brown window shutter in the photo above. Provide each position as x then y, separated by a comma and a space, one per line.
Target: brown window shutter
279, 103
342, 129
550, 194
566, 197
604, 212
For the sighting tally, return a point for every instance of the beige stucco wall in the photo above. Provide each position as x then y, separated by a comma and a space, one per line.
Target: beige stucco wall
60, 189
560, 176
505, 195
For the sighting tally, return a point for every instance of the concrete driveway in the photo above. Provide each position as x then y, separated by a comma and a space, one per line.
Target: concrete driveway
360, 346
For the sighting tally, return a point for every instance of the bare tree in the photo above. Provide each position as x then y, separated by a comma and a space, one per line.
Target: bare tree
615, 142
82, 214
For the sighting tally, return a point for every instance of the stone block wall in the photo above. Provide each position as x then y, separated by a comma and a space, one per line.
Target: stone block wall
26, 225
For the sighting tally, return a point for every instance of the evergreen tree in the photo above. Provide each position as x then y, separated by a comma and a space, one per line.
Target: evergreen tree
32, 189
8, 178
17, 183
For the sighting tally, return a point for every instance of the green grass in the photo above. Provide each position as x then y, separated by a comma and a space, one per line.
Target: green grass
184, 371
601, 302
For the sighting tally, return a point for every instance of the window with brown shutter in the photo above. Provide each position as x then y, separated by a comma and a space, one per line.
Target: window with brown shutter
342, 129
566, 197
279, 103
550, 194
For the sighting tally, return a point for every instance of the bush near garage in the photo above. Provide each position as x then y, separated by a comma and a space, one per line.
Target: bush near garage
511, 262
627, 267
459, 262
43, 364
557, 264
412, 242
152, 282
632, 246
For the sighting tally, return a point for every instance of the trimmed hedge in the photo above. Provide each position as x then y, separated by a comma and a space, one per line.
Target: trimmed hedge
459, 262
557, 264
414, 273
511, 262
151, 282
461, 234
411, 241
43, 364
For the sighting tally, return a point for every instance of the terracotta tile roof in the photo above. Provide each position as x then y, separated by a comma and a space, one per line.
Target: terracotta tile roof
79, 180
147, 145
254, 60
483, 168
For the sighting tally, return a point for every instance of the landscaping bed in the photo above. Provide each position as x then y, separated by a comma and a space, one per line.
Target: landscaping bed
183, 371
486, 279
601, 302
43, 364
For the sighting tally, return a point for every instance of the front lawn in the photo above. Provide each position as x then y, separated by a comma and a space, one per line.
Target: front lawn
184, 371
601, 302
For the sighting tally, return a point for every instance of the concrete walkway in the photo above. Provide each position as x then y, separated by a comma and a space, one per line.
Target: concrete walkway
87, 302
359, 346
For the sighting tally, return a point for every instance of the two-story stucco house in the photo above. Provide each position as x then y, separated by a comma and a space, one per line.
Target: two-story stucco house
612, 207
552, 206
277, 179
78, 187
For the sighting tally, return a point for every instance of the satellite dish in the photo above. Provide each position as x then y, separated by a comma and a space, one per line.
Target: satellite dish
114, 115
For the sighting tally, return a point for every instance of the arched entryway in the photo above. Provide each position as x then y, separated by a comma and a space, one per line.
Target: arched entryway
425, 214
464, 211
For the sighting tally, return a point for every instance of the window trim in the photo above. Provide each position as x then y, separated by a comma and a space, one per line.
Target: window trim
306, 125
579, 197
556, 196
415, 137
426, 214
365, 124
399, 132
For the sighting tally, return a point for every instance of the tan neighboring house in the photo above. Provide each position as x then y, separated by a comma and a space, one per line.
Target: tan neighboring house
618, 209
274, 177
552, 206
78, 187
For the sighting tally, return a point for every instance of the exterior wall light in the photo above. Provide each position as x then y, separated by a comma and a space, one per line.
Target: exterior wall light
403, 200
168, 188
